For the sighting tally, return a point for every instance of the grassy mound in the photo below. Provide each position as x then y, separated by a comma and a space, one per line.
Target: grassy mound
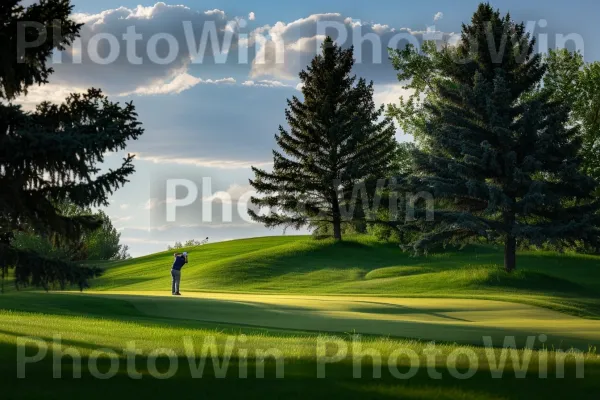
363, 266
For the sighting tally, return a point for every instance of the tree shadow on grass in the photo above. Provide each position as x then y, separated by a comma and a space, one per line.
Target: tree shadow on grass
299, 380
377, 320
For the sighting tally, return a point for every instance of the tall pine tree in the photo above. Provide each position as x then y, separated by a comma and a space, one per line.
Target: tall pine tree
499, 155
336, 141
52, 155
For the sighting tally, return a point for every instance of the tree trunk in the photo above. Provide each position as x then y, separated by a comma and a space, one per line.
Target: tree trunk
510, 243
510, 254
337, 228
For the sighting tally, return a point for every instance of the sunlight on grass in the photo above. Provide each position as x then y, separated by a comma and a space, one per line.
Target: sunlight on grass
363, 266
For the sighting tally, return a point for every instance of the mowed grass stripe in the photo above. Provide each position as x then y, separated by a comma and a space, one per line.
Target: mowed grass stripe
448, 320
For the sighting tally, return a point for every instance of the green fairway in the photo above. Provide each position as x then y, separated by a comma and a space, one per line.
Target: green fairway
87, 323
362, 266
285, 293
451, 320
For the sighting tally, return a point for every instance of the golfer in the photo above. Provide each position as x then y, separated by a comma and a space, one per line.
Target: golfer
180, 260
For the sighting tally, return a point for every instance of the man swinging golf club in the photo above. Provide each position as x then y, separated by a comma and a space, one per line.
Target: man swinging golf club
180, 260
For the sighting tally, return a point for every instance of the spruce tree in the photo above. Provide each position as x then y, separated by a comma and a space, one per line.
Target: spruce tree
52, 155
336, 141
497, 153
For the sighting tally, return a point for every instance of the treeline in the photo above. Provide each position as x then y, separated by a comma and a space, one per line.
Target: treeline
505, 147
187, 244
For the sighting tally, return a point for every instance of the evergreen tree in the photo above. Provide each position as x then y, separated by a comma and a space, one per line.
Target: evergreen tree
336, 141
499, 156
51, 155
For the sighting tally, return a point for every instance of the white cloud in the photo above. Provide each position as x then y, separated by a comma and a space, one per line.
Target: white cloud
287, 48
50, 92
390, 94
266, 83
438, 16
216, 11
351, 22
124, 206
379, 28
180, 83
202, 162
134, 66
306, 44
252, 16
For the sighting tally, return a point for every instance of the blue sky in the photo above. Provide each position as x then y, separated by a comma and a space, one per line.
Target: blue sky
216, 120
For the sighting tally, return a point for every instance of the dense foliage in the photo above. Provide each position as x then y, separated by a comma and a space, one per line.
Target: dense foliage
572, 81
52, 155
99, 244
499, 155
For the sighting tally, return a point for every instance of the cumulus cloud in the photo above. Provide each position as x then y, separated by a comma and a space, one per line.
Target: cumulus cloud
139, 50
216, 11
291, 46
123, 49
438, 16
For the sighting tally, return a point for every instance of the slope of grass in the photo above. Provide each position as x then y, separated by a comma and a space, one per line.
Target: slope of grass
378, 291
85, 324
362, 266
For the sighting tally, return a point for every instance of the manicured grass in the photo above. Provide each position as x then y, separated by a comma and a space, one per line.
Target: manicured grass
361, 266
464, 321
285, 293
86, 323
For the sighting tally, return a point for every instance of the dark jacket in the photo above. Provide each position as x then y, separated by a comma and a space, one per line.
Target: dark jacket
179, 263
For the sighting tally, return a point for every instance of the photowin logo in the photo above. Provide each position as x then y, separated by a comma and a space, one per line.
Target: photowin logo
232, 356
216, 41
189, 201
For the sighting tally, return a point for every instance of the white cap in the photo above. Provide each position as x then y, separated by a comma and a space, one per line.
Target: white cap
185, 253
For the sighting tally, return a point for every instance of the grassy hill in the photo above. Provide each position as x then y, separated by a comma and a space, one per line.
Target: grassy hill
284, 293
362, 266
